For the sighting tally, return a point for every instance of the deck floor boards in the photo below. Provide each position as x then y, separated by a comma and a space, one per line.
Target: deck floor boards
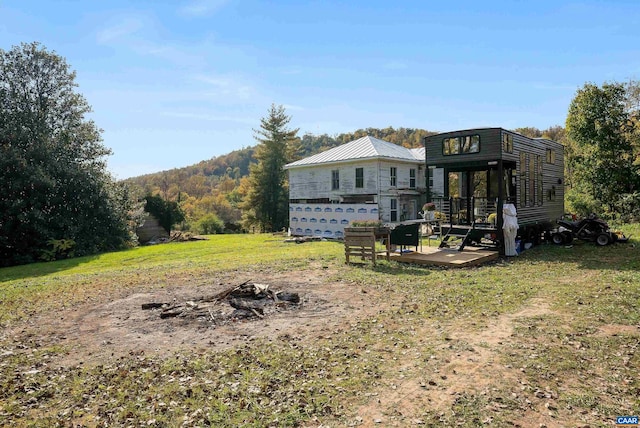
446, 257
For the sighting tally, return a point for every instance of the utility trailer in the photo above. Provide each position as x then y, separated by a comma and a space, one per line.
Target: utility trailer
472, 173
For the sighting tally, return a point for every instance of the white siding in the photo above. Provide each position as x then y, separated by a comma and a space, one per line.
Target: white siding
327, 220
314, 182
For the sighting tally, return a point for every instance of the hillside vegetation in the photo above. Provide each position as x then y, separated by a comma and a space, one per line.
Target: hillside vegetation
546, 339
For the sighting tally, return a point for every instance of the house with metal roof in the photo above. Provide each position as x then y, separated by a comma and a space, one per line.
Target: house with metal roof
365, 179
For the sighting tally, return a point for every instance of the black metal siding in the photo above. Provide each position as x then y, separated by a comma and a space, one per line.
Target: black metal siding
552, 176
491, 150
490, 147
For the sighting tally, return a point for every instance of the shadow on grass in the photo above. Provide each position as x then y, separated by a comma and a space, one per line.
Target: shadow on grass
33, 270
393, 268
587, 255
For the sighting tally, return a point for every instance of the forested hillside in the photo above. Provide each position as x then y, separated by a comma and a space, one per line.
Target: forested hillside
211, 191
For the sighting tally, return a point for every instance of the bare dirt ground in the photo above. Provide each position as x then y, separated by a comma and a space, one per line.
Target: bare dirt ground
472, 366
113, 326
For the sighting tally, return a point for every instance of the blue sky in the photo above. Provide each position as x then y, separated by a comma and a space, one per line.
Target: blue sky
172, 83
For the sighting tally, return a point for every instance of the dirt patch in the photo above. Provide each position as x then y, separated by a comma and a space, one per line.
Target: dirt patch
117, 326
618, 329
471, 365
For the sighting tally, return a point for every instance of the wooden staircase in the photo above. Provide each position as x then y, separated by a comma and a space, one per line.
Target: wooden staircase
456, 237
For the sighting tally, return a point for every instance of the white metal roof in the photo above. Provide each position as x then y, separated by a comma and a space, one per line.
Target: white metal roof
362, 148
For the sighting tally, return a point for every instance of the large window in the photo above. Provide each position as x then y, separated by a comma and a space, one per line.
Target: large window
412, 178
394, 210
551, 156
461, 145
359, 178
335, 179
523, 179
531, 200
393, 174
531, 180
540, 180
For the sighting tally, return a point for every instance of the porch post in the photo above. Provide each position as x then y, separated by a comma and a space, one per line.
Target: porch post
499, 206
426, 171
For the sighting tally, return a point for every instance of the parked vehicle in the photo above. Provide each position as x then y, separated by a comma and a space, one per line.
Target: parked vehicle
591, 228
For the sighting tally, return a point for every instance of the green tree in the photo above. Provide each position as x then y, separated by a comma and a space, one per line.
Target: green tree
54, 181
210, 224
168, 213
266, 203
601, 130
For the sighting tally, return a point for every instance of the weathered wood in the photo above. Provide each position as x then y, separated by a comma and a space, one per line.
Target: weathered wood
249, 300
172, 313
224, 294
288, 297
154, 305
250, 304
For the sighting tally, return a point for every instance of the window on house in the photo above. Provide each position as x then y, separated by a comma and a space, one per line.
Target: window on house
412, 178
335, 179
523, 179
393, 173
551, 156
461, 145
450, 146
394, 210
507, 143
540, 180
359, 178
531, 200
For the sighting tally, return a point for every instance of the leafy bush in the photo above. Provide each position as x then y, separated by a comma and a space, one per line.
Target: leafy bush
581, 203
210, 224
60, 249
627, 208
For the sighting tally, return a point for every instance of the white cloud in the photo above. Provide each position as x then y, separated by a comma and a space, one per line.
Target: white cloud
208, 117
293, 107
226, 86
122, 29
202, 7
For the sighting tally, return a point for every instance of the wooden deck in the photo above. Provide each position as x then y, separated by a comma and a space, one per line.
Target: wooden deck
434, 256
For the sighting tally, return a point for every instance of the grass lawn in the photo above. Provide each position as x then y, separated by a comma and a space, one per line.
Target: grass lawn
546, 339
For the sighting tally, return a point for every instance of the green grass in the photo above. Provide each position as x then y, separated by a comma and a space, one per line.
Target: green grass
24, 288
561, 366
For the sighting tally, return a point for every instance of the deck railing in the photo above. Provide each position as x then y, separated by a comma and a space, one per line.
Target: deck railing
467, 211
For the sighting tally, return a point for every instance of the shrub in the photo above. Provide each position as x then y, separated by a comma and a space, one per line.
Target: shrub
210, 224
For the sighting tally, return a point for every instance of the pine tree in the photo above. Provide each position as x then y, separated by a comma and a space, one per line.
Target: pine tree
266, 203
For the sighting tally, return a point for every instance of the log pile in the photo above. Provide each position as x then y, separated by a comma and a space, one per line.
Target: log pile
247, 300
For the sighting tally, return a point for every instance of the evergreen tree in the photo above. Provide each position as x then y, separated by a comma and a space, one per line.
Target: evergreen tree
54, 182
266, 203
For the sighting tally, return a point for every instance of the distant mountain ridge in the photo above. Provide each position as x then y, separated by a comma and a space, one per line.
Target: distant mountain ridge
236, 163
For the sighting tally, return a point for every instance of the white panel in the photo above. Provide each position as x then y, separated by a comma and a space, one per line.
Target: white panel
327, 220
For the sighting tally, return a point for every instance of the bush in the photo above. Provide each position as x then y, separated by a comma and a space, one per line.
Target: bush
210, 224
581, 203
627, 208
